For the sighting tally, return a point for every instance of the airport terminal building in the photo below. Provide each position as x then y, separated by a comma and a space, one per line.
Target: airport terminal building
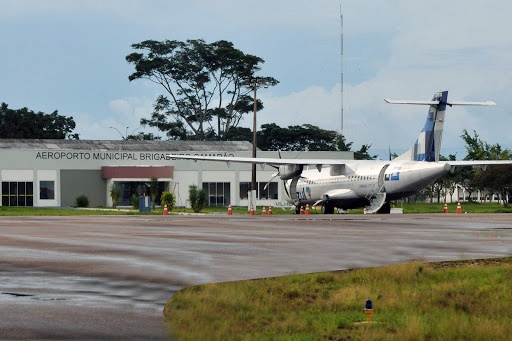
53, 173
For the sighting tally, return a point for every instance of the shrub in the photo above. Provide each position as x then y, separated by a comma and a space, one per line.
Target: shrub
82, 201
115, 194
167, 198
197, 198
134, 200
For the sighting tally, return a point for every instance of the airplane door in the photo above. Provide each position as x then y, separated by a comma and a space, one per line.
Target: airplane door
293, 189
381, 178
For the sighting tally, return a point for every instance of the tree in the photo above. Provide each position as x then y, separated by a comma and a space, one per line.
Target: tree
115, 194
143, 137
153, 189
197, 198
496, 179
362, 153
305, 137
203, 82
26, 124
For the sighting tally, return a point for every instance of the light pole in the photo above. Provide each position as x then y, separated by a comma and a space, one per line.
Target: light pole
125, 136
122, 137
254, 84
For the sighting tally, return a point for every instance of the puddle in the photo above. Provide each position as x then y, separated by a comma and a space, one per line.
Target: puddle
30, 286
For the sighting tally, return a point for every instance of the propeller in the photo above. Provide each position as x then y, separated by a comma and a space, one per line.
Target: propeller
275, 175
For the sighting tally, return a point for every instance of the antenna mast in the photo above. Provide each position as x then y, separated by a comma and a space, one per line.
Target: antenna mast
341, 21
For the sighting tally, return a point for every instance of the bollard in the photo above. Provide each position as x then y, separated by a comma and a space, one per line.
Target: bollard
368, 309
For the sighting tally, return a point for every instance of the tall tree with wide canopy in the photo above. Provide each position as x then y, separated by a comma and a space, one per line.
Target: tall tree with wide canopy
204, 85
27, 124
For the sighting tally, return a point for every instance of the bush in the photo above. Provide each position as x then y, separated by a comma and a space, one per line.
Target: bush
167, 198
197, 198
135, 201
82, 201
115, 194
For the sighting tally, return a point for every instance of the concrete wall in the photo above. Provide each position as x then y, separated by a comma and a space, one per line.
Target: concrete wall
74, 183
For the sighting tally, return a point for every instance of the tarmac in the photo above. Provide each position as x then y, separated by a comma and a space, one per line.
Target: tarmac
109, 277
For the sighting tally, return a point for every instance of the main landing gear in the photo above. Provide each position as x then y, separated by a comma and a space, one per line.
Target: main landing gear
327, 208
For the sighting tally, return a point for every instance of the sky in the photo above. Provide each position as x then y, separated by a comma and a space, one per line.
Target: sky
69, 55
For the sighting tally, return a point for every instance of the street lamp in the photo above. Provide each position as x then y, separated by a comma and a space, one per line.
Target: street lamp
254, 84
125, 136
122, 137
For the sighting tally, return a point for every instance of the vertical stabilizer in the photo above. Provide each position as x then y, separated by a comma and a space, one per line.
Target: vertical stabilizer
428, 145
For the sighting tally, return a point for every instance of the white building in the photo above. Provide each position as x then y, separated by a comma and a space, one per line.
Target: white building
55, 172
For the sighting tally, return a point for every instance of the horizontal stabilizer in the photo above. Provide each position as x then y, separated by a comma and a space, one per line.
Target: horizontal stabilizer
471, 103
407, 101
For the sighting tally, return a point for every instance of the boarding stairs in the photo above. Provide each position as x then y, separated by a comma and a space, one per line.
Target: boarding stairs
377, 194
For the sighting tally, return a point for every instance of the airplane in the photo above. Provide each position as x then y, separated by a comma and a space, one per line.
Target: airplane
369, 184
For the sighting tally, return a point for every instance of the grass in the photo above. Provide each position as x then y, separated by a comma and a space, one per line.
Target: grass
408, 208
465, 300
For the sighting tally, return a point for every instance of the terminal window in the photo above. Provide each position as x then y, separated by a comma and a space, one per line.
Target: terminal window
15, 193
47, 190
261, 193
219, 193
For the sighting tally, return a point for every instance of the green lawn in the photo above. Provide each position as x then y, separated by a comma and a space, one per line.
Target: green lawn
467, 300
408, 208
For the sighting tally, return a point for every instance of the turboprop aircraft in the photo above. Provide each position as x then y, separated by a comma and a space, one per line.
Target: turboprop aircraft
347, 184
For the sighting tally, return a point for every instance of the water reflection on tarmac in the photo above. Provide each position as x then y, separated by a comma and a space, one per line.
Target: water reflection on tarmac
109, 277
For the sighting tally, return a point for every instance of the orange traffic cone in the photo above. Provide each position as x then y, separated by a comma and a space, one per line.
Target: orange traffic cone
166, 212
263, 212
459, 208
302, 210
252, 210
230, 210
445, 210
270, 210
307, 209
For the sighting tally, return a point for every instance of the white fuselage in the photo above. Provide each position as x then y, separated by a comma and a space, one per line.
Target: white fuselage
353, 185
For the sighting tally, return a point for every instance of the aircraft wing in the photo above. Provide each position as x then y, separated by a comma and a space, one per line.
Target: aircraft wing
264, 161
482, 163
479, 163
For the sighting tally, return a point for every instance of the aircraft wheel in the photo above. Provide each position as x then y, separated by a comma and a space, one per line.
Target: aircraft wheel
327, 208
385, 209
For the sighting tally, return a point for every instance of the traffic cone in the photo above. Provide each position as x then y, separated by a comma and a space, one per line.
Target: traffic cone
230, 210
166, 212
459, 208
307, 209
252, 209
270, 210
445, 210
263, 212
302, 210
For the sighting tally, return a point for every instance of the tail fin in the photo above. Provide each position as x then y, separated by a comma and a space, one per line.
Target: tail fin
427, 146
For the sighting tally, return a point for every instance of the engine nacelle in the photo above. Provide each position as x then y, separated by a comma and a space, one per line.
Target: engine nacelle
288, 172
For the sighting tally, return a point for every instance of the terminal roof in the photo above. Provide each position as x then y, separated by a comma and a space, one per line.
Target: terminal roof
129, 145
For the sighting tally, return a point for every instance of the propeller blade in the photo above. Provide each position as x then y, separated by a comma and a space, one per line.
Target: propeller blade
273, 177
